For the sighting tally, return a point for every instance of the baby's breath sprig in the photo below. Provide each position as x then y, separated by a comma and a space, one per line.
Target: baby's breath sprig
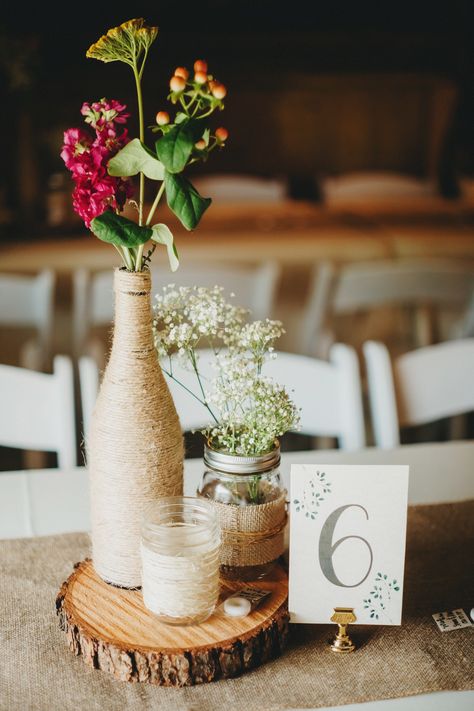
248, 409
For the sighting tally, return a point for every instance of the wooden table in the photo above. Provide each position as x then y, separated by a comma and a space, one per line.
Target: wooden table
295, 234
292, 232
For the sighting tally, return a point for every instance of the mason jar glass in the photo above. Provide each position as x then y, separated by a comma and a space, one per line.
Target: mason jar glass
250, 504
180, 559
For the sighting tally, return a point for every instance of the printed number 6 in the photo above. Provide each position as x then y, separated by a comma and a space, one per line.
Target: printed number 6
327, 548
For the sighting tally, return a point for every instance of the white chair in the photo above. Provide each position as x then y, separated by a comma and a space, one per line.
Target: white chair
374, 187
419, 387
240, 188
422, 285
464, 328
27, 302
329, 393
44, 502
89, 378
37, 410
254, 287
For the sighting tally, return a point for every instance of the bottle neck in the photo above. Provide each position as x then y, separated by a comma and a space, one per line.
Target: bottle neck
133, 319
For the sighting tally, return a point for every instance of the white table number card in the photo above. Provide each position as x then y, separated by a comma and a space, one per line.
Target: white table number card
347, 542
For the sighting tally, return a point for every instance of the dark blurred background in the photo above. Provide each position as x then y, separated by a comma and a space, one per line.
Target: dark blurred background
315, 89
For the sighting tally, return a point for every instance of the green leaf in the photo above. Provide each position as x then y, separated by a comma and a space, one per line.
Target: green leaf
118, 230
136, 158
163, 235
175, 147
184, 200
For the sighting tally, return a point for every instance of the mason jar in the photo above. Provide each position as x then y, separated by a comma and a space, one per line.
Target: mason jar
250, 504
180, 559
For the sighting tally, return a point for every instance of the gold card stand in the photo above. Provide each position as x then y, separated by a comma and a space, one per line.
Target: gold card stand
342, 643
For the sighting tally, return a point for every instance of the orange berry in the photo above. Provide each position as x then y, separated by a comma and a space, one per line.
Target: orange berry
200, 77
200, 65
218, 91
201, 144
222, 134
181, 72
177, 84
162, 118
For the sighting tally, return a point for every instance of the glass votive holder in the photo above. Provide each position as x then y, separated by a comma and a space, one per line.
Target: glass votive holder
180, 545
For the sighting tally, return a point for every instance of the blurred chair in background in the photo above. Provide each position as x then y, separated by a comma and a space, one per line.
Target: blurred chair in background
37, 411
419, 387
328, 393
376, 187
425, 287
254, 287
89, 380
224, 188
26, 302
464, 328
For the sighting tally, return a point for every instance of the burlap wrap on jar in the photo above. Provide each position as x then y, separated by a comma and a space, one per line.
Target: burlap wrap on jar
252, 535
250, 504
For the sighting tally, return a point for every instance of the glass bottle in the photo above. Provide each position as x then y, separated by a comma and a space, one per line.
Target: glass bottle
250, 503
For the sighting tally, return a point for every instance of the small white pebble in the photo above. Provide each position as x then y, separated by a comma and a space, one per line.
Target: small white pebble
472, 614
237, 606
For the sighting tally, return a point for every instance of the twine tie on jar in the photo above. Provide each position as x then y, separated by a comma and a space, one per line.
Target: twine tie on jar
252, 535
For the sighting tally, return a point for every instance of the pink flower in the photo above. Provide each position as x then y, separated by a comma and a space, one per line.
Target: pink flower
87, 157
76, 143
104, 113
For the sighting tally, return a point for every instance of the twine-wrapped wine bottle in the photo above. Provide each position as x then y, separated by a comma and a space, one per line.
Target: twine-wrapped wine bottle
134, 447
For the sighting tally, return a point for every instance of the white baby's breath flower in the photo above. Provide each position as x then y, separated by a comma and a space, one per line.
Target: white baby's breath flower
249, 410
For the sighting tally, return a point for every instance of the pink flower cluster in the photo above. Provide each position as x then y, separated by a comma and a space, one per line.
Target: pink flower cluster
87, 156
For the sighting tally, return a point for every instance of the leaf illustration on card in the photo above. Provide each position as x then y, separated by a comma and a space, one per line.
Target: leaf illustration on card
380, 597
313, 495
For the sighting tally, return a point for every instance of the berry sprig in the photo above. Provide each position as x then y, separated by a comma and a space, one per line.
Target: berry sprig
201, 93
198, 97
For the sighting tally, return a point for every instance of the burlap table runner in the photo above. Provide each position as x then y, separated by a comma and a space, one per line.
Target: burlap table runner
39, 673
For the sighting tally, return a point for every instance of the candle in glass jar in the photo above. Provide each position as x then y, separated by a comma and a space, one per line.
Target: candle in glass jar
180, 560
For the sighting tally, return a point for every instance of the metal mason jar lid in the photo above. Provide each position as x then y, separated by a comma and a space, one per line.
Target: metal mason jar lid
222, 461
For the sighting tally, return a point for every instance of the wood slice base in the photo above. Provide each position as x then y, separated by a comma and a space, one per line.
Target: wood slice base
113, 631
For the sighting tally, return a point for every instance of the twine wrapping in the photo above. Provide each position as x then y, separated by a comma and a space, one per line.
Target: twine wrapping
135, 445
253, 534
